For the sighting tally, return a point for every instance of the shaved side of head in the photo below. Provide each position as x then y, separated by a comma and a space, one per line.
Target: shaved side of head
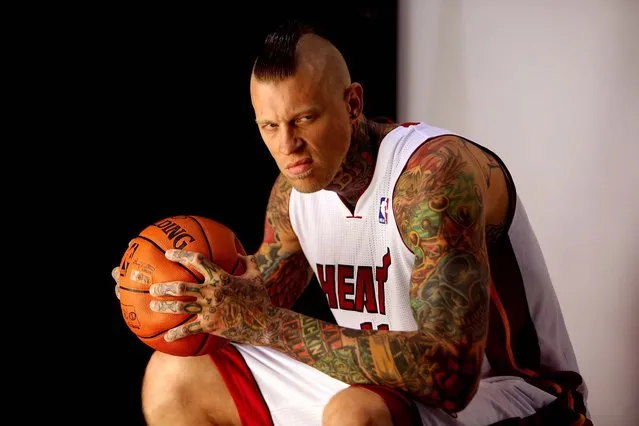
324, 61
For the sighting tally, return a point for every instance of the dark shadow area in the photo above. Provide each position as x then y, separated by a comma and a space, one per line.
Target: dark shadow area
166, 127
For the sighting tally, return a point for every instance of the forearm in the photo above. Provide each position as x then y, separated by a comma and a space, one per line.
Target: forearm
285, 276
433, 371
285, 270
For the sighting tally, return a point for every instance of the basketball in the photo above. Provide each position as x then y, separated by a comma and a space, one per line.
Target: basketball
144, 264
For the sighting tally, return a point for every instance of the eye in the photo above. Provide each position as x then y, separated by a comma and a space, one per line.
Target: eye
305, 118
269, 126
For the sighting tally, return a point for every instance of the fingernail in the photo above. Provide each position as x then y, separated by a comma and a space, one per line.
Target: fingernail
153, 305
171, 254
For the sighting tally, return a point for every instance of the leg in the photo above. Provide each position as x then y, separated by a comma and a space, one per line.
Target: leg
186, 391
356, 406
297, 394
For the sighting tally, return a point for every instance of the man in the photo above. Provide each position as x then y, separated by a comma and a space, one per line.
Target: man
445, 313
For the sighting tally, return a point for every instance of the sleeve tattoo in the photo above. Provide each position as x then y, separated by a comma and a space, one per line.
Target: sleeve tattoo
284, 267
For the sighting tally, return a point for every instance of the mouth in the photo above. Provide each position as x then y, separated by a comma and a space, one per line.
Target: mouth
299, 167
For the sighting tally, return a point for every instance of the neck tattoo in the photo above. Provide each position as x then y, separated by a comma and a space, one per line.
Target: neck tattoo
356, 172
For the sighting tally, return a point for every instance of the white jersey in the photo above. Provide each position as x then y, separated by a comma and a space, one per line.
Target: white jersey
360, 259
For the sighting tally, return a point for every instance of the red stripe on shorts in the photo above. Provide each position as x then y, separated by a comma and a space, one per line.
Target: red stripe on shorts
241, 384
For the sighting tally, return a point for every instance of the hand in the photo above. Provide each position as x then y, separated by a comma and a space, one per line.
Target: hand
234, 307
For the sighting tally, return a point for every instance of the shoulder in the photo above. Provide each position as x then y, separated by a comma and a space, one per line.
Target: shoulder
277, 210
441, 179
442, 156
280, 192
281, 185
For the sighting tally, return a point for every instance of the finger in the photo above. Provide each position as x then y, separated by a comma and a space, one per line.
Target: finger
185, 330
175, 307
175, 288
115, 274
117, 291
196, 261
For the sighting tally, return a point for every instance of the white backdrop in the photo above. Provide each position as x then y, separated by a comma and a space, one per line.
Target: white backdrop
553, 88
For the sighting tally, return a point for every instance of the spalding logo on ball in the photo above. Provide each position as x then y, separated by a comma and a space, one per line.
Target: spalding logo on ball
144, 264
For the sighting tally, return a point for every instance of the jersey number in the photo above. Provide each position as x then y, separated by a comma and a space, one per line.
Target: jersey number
369, 326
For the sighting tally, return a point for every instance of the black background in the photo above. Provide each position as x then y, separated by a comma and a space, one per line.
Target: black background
149, 144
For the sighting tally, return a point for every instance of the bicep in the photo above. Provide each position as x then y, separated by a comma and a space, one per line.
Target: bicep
440, 206
284, 267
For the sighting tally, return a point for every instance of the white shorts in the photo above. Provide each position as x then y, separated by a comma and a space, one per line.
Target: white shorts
270, 388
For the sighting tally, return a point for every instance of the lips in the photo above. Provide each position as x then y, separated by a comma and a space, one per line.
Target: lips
299, 167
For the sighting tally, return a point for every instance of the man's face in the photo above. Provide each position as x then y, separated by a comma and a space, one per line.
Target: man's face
305, 127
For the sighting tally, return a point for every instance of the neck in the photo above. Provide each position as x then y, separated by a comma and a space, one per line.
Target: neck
358, 166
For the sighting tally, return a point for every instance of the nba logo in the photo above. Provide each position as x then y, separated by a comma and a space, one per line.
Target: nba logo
383, 210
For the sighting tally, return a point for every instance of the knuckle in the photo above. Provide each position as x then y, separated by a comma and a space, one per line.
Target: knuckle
115, 273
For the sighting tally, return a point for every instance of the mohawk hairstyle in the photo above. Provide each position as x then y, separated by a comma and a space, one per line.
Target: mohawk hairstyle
276, 60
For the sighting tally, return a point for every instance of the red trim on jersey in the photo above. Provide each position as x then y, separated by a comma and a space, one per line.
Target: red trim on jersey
242, 386
402, 409
409, 123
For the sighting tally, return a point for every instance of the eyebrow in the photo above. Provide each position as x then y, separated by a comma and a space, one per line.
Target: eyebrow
303, 111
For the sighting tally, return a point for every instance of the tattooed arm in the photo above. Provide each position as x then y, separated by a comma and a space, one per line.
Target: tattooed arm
285, 270
438, 205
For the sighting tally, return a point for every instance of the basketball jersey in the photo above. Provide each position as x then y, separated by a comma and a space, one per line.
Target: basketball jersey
364, 269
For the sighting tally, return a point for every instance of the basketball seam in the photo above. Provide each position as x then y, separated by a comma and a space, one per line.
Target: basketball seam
133, 290
167, 329
206, 237
164, 252
237, 263
202, 344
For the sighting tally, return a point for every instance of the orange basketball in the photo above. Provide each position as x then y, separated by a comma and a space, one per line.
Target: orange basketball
144, 264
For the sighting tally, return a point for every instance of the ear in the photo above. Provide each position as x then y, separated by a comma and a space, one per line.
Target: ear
353, 96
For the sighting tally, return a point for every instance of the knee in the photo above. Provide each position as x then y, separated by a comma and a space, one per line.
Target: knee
355, 406
184, 390
165, 384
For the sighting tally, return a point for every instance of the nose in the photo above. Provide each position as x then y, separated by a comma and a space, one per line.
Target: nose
289, 141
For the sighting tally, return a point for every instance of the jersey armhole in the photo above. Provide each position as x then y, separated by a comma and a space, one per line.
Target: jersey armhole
510, 184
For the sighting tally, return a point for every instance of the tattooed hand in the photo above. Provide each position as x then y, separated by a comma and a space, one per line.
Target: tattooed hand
236, 307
